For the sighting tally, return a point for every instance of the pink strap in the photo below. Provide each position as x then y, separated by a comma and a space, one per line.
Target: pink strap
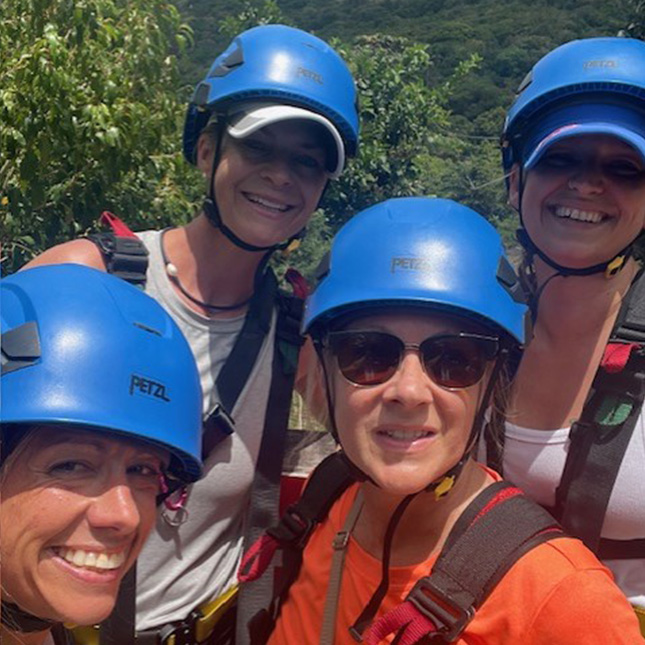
616, 356
415, 625
118, 226
256, 560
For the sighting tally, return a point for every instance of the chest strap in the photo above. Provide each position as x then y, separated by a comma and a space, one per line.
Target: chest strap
499, 526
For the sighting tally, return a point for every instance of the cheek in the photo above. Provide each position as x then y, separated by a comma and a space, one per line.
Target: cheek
458, 410
146, 502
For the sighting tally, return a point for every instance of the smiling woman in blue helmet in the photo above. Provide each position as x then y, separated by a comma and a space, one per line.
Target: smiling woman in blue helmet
413, 330
272, 122
101, 414
574, 145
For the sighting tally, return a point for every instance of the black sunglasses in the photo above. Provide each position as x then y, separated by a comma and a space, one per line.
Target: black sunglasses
450, 360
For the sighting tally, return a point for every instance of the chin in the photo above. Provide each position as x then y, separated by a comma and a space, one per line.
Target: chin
401, 484
86, 612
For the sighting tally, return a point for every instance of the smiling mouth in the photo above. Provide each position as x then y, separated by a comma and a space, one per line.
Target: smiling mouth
268, 204
405, 435
91, 559
589, 217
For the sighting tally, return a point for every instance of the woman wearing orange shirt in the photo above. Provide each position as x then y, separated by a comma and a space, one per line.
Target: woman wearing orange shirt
413, 322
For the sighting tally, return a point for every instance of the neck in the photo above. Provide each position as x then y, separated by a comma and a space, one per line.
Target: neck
575, 318
580, 305
210, 267
426, 523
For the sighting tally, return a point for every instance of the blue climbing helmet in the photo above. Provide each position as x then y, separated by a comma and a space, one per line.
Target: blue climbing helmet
271, 73
590, 86
420, 252
82, 348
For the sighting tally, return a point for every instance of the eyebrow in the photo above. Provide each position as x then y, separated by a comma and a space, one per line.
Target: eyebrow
66, 437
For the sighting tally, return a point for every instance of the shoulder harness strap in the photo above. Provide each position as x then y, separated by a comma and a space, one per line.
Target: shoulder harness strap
326, 484
124, 254
500, 526
600, 438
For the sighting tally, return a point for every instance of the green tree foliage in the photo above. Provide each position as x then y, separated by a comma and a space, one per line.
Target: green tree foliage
89, 118
635, 11
405, 134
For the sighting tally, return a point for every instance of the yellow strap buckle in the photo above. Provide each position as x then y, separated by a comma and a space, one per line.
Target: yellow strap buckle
640, 614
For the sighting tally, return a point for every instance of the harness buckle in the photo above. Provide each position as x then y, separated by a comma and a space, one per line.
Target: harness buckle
181, 633
293, 529
217, 418
449, 617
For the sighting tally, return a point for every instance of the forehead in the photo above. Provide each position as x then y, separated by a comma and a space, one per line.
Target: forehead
414, 323
42, 437
298, 131
596, 143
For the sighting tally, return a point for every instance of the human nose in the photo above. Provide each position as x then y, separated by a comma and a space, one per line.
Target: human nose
115, 508
278, 171
587, 180
410, 386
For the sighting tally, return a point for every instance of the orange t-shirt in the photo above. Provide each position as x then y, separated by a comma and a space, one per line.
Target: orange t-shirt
556, 594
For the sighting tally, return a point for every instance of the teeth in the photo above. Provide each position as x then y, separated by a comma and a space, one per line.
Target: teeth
405, 435
272, 205
80, 558
583, 216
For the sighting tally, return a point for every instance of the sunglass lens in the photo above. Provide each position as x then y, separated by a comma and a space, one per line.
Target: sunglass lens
366, 358
454, 362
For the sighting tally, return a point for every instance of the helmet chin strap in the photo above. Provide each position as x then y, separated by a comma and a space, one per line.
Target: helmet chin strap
18, 620
214, 217
610, 268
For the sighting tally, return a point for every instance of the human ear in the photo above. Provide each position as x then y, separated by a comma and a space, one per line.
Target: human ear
514, 187
206, 147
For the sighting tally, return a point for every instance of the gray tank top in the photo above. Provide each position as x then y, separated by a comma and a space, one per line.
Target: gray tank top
184, 566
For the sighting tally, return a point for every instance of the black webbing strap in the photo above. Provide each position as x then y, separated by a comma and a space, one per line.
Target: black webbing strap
118, 628
235, 373
326, 484
630, 323
124, 257
61, 636
265, 491
480, 549
601, 437
599, 441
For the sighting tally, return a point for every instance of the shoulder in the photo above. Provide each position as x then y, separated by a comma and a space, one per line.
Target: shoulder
79, 251
567, 596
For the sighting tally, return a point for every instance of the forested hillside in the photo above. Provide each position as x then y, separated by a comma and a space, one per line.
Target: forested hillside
509, 35
93, 97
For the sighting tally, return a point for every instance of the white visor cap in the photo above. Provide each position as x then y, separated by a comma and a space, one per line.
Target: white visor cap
251, 117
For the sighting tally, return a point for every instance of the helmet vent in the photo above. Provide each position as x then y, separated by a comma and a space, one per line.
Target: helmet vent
20, 347
150, 330
233, 60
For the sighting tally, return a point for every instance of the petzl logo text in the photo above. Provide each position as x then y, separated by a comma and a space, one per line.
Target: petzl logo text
310, 74
409, 264
147, 387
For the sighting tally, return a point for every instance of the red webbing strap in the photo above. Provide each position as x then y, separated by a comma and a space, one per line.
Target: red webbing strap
118, 226
616, 356
297, 282
500, 525
257, 559
415, 624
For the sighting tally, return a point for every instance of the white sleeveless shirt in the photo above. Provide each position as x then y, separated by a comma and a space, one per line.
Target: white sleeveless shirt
534, 460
